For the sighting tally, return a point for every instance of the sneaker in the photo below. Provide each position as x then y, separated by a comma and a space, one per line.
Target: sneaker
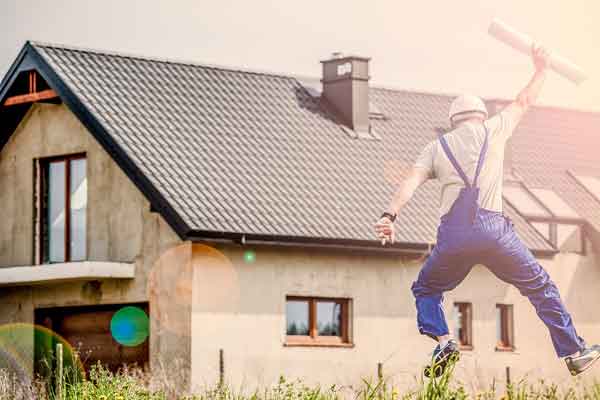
584, 360
442, 358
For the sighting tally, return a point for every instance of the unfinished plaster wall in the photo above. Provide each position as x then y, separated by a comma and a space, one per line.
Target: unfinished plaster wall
120, 228
249, 322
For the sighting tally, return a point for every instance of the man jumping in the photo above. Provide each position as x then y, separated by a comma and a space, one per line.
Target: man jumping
468, 162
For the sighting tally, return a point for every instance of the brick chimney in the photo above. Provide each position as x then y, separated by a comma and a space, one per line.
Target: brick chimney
346, 88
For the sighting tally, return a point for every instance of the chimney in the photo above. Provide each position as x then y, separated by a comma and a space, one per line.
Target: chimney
346, 87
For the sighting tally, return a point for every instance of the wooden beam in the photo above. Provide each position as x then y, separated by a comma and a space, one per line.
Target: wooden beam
31, 97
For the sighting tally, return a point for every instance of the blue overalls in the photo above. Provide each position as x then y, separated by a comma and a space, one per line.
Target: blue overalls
470, 235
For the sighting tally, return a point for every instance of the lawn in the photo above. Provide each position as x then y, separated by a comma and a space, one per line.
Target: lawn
134, 384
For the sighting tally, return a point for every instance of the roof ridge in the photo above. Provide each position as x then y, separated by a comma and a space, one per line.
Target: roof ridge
257, 71
165, 60
548, 107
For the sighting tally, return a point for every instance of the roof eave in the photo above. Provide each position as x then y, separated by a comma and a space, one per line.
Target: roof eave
324, 243
306, 242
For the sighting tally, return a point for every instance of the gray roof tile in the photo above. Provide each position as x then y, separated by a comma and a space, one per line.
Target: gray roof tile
246, 152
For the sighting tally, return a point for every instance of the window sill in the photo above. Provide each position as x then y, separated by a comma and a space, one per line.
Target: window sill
503, 349
317, 344
65, 272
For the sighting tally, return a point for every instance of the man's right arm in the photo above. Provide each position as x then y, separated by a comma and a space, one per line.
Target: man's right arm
529, 95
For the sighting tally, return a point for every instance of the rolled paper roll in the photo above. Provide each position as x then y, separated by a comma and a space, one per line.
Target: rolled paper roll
523, 43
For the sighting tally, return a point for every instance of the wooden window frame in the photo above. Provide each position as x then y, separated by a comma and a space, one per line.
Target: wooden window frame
313, 339
43, 164
507, 341
468, 322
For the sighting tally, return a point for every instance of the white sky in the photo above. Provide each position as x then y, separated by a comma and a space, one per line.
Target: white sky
427, 45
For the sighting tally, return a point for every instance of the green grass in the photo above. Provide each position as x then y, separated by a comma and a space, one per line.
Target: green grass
134, 384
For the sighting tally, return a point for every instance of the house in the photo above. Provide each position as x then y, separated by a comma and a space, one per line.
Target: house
235, 209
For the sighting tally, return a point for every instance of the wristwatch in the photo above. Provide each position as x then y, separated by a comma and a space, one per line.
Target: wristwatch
392, 217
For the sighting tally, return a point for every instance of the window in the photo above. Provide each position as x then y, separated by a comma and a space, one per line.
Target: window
591, 184
504, 327
570, 238
524, 202
555, 203
544, 228
463, 324
317, 321
64, 205
550, 215
565, 237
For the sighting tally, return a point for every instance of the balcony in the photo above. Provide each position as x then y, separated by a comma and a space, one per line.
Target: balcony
65, 272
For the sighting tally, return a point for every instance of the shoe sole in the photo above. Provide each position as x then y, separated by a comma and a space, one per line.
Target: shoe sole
575, 373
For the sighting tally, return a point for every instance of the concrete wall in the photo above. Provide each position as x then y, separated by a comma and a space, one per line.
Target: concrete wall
248, 322
120, 227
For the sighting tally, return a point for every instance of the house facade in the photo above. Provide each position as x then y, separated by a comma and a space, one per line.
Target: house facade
234, 209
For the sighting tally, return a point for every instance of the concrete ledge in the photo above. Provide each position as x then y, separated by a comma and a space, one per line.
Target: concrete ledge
65, 272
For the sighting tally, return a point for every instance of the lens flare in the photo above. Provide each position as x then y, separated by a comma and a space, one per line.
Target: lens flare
27, 349
249, 256
130, 326
186, 277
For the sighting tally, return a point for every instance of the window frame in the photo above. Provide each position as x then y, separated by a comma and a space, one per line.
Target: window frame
553, 224
533, 198
507, 327
313, 339
541, 194
552, 219
44, 165
468, 345
582, 180
582, 236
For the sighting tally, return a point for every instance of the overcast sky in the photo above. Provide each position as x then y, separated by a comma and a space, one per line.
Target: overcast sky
426, 45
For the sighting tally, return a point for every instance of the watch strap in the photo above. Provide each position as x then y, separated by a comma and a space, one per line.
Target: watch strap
392, 217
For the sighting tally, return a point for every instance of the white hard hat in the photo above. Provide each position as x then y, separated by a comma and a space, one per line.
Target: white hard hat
467, 103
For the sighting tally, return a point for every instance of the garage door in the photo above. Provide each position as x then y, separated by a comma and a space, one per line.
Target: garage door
95, 333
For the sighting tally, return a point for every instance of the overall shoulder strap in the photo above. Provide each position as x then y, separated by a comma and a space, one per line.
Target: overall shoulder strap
482, 156
454, 161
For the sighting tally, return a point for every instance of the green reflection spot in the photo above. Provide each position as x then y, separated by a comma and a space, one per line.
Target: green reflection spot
249, 256
130, 326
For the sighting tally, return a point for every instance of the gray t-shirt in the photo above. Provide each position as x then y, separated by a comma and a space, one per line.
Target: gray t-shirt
465, 143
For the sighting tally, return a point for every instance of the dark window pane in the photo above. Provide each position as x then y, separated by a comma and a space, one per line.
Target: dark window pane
78, 188
504, 323
329, 318
56, 211
499, 325
297, 317
462, 323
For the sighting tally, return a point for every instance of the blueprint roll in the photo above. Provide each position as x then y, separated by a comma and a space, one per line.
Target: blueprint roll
523, 43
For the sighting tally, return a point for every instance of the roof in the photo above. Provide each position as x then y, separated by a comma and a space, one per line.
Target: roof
223, 153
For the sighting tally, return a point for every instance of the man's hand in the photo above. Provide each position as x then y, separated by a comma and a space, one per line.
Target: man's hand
384, 228
541, 57
529, 95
